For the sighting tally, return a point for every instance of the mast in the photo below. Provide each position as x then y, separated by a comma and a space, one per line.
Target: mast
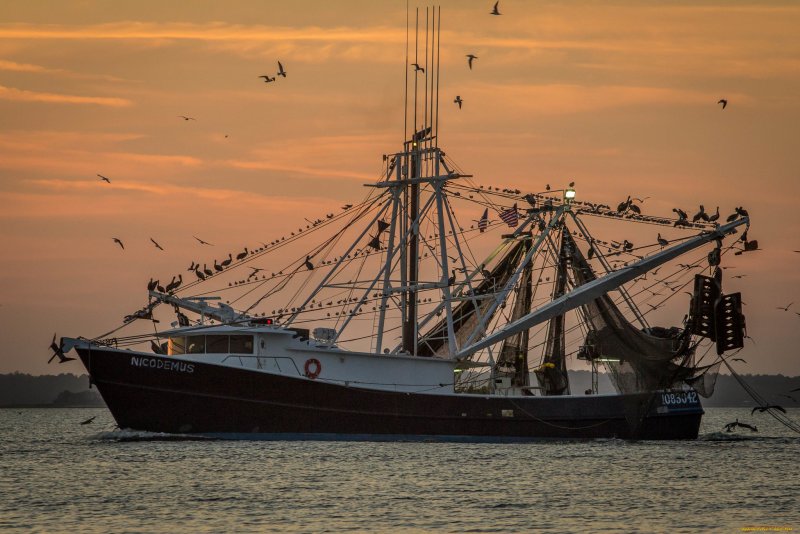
552, 374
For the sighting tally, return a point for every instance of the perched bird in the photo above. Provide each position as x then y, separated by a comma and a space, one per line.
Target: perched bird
741, 211
218, 267
309, 265
713, 218
228, 261
118, 242
207, 271
458, 101
256, 270
661, 241
681, 214
452, 279
418, 68
723, 102
470, 58
495, 10
199, 275
281, 72
763, 409
103, 178
86, 422
202, 242
623, 206
700, 215
193, 266
242, 255
156, 244
151, 285
184, 117
347, 207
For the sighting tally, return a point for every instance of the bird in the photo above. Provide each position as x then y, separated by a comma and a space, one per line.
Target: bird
199, 275
713, 218
242, 255
281, 72
730, 426
418, 68
58, 352
785, 308
740, 276
218, 267
495, 10
86, 422
452, 279
227, 262
347, 207
722, 101
309, 265
741, 211
661, 241
193, 266
256, 270
103, 178
764, 408
681, 214
118, 241
151, 285
458, 101
207, 271
184, 117
267, 79
700, 215
471, 57
202, 242
624, 205
739, 360
156, 244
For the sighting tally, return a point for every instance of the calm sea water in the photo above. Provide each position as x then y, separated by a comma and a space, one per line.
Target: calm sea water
58, 475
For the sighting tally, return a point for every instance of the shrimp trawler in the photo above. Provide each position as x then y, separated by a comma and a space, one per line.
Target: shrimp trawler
394, 319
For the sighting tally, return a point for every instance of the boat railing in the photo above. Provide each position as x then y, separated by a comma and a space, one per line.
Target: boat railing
259, 358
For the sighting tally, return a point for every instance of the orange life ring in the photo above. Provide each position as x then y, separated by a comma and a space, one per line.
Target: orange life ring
313, 368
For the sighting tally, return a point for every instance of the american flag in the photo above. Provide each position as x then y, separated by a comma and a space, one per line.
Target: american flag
483, 224
510, 216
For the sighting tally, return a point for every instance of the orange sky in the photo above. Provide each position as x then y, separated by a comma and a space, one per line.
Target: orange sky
618, 96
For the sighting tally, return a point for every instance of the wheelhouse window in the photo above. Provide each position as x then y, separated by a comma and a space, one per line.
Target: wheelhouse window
177, 345
217, 344
241, 345
196, 345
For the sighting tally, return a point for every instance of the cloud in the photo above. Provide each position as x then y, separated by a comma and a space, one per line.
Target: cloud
21, 67
22, 95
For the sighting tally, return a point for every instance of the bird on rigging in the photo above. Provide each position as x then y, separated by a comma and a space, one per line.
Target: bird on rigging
156, 244
309, 265
199, 275
452, 279
227, 262
713, 218
151, 285
118, 242
242, 255
700, 215
207, 271
661, 241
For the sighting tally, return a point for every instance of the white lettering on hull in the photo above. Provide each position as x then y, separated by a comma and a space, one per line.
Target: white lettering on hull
155, 363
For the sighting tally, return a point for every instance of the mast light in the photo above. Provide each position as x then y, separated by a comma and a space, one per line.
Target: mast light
569, 195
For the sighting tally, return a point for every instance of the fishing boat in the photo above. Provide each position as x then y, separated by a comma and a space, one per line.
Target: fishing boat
393, 318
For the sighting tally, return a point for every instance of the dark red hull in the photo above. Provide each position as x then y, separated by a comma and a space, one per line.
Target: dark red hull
168, 395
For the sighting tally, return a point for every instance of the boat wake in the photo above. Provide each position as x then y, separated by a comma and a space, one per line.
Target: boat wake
730, 436
126, 435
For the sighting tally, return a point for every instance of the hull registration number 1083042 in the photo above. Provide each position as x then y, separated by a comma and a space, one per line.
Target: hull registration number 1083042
679, 398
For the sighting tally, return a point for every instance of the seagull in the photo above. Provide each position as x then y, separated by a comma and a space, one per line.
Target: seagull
730, 426
723, 102
281, 72
458, 101
184, 117
58, 352
88, 420
739, 360
785, 308
417, 67
156, 244
202, 242
495, 11
267, 79
470, 57
763, 409
118, 242
103, 178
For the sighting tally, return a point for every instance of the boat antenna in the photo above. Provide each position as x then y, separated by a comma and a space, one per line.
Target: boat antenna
405, 87
438, 61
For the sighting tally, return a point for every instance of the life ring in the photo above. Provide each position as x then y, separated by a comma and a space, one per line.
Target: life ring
313, 368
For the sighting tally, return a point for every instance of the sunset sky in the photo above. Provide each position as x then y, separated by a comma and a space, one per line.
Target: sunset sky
619, 96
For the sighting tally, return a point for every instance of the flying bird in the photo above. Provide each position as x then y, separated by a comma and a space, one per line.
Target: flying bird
267, 79
281, 72
495, 10
202, 242
184, 117
458, 101
785, 308
723, 102
86, 422
417, 68
103, 178
118, 242
156, 244
739, 360
471, 57
730, 426
58, 352
763, 409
